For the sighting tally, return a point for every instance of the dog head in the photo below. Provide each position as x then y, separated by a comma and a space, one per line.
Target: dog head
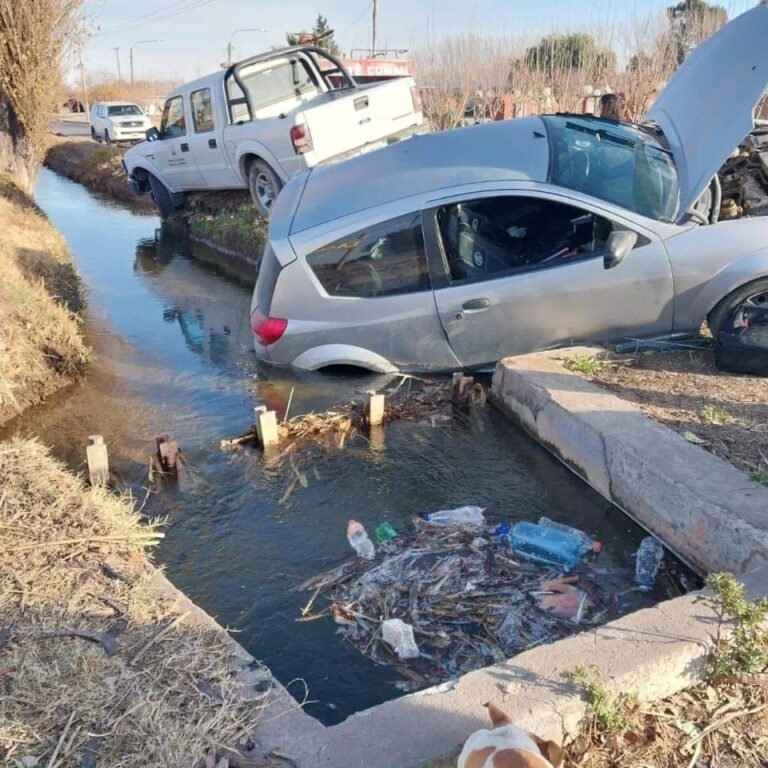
507, 746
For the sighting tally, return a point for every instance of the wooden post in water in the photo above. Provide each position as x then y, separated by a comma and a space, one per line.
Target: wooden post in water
98, 460
461, 388
374, 408
167, 453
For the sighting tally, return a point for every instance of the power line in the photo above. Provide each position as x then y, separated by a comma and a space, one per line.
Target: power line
161, 14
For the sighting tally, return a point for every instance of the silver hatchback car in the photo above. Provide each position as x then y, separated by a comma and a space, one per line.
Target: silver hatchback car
455, 249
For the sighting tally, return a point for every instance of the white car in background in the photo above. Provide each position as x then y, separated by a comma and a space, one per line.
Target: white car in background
113, 121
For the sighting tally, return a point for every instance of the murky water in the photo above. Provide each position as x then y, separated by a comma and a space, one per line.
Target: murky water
173, 354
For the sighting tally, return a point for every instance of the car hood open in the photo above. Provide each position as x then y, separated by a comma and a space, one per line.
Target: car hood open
708, 106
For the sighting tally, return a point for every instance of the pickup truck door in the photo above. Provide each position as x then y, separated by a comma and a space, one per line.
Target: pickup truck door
519, 271
206, 145
172, 150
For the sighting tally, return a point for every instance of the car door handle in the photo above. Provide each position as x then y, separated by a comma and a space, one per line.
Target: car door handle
476, 305
185, 147
212, 143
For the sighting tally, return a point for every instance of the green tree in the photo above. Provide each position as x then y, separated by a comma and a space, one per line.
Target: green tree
572, 51
692, 21
322, 32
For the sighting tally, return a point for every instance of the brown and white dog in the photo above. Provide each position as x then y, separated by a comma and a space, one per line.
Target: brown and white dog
507, 746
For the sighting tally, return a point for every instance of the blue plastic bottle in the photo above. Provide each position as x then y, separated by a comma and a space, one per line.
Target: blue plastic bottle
546, 545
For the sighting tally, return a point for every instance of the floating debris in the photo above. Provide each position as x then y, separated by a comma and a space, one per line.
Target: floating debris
469, 600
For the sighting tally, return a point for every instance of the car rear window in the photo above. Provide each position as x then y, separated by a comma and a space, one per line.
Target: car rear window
267, 270
382, 260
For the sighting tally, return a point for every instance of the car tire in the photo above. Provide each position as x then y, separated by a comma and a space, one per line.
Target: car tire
735, 349
162, 197
264, 185
93, 134
107, 137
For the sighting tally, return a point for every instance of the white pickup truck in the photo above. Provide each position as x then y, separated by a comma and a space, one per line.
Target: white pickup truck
260, 121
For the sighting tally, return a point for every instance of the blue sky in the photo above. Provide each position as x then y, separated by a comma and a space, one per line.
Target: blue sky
193, 34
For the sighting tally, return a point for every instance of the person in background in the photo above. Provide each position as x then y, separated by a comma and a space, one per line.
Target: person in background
610, 106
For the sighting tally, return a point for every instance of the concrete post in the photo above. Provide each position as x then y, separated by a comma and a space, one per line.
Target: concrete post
374, 408
167, 453
98, 460
266, 427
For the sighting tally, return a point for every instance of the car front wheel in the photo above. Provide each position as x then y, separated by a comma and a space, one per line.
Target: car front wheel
739, 326
162, 197
264, 185
107, 137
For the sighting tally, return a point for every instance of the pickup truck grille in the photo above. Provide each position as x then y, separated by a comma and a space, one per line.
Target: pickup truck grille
132, 124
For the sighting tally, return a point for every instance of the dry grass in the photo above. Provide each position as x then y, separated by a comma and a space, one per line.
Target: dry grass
142, 685
97, 167
41, 348
728, 413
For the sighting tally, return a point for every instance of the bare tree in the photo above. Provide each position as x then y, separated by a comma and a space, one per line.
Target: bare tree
35, 38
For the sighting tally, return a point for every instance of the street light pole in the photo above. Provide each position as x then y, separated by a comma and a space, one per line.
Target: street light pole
230, 47
139, 42
117, 55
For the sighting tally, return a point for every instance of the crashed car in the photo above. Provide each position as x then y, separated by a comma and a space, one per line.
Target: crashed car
455, 249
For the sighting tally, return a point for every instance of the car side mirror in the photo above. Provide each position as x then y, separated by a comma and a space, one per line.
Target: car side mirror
618, 245
152, 134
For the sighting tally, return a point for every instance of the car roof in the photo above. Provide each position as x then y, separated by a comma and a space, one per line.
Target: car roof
509, 150
116, 103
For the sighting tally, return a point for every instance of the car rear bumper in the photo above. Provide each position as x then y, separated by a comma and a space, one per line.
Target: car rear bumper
405, 133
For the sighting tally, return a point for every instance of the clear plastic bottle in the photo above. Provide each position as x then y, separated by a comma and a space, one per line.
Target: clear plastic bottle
359, 541
546, 545
588, 543
650, 553
458, 516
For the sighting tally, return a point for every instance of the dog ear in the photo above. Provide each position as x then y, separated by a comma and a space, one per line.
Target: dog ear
497, 716
550, 750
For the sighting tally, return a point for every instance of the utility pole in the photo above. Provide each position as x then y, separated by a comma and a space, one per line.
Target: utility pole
373, 36
231, 47
81, 67
119, 73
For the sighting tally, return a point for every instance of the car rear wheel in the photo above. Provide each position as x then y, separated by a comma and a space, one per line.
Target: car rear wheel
93, 134
162, 197
264, 185
107, 137
739, 325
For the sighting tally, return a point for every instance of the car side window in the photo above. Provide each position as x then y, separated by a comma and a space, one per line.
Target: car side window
173, 123
202, 110
382, 260
493, 237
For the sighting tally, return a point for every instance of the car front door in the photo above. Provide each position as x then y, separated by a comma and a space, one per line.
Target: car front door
172, 150
517, 272
207, 149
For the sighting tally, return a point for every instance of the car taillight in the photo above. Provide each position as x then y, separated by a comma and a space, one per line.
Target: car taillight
267, 329
302, 139
416, 98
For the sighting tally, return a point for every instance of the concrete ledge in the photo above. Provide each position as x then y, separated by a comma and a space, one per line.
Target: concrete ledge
652, 653
706, 510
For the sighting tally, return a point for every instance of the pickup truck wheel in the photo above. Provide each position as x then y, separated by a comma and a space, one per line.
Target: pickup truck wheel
264, 185
93, 134
107, 137
162, 197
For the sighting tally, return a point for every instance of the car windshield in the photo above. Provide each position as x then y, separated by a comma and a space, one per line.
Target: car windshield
122, 110
615, 162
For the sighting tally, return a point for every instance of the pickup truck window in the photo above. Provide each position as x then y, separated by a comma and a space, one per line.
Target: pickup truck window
285, 80
173, 123
384, 260
202, 110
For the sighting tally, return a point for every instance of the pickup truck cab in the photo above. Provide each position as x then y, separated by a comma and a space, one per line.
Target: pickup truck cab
257, 123
118, 121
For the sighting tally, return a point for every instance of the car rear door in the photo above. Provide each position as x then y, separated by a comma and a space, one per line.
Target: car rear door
521, 271
172, 150
205, 142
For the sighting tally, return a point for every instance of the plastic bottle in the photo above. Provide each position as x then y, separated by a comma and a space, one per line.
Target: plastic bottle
650, 553
588, 543
458, 516
359, 541
546, 545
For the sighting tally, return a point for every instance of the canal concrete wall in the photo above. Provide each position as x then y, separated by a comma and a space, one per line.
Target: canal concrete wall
703, 508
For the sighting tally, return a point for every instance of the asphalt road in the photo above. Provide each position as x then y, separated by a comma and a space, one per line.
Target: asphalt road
71, 128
